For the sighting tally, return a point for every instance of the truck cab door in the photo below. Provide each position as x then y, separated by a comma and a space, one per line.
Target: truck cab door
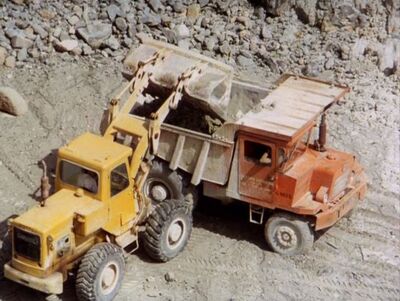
122, 205
256, 168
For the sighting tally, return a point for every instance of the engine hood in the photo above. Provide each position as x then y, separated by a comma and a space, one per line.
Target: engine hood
313, 170
59, 210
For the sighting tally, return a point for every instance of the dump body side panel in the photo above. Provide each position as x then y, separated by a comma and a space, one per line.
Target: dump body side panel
202, 156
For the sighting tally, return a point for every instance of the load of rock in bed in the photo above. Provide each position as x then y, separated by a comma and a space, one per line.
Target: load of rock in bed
193, 114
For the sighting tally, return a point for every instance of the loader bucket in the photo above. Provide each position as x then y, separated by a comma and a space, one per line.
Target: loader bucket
210, 89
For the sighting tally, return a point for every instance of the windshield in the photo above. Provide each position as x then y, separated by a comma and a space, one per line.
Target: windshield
79, 176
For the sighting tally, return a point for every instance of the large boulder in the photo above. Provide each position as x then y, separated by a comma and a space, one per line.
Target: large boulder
12, 102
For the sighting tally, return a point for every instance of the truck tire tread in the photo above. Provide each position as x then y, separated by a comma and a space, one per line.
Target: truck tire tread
90, 267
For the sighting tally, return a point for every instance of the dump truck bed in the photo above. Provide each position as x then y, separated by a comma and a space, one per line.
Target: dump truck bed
200, 155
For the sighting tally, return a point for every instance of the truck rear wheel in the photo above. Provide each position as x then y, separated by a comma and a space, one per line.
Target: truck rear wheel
100, 273
168, 230
162, 184
288, 235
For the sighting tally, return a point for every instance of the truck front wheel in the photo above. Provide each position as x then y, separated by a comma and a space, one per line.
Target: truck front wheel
100, 273
168, 230
288, 235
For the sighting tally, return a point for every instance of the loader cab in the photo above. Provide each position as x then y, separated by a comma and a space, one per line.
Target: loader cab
98, 167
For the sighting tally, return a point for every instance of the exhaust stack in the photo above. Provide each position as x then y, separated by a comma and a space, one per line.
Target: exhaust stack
44, 185
322, 134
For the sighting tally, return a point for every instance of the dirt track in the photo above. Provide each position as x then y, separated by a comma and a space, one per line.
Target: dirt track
226, 258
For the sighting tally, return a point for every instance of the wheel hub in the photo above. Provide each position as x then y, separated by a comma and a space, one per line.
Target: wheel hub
175, 232
159, 192
286, 237
109, 278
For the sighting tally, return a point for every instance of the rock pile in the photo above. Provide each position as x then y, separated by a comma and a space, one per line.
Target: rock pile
287, 35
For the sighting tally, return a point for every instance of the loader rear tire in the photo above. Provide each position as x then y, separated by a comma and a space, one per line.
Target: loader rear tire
100, 273
162, 183
168, 229
288, 234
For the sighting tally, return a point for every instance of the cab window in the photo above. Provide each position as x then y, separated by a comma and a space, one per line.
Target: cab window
119, 179
258, 153
79, 176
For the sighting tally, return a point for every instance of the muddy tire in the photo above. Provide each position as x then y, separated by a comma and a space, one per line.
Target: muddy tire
288, 235
5, 253
100, 273
168, 229
162, 184
191, 196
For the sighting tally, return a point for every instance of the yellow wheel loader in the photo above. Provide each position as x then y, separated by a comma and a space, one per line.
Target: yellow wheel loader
94, 217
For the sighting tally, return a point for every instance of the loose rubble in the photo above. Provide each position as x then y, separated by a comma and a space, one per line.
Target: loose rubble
299, 36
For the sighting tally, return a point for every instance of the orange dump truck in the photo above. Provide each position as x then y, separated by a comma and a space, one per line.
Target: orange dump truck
270, 155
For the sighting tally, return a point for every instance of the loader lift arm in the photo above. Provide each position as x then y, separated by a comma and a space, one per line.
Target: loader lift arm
148, 132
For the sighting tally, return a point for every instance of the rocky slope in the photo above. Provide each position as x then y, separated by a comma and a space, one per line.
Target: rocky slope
283, 35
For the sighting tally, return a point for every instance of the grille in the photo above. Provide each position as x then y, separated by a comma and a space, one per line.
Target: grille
27, 244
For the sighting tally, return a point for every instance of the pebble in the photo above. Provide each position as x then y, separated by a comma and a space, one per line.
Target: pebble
170, 277
95, 34
73, 19
193, 12
19, 42
151, 19
113, 11
3, 55
39, 30
113, 43
121, 24
22, 55
244, 61
66, 45
10, 62
155, 5
182, 32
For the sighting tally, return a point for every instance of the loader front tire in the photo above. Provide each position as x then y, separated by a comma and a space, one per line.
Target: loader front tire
162, 183
168, 229
100, 273
288, 235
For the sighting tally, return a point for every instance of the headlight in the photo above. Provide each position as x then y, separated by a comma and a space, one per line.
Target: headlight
63, 245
